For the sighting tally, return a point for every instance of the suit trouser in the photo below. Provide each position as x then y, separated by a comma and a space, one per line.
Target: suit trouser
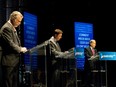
10, 76
0, 69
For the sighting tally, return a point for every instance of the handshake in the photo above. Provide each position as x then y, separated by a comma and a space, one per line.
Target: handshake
23, 49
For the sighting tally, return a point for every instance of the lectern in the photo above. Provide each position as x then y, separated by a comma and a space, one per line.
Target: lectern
36, 77
68, 69
39, 77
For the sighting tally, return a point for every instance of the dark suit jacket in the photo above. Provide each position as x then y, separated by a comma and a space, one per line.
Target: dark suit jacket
88, 54
55, 64
10, 44
55, 51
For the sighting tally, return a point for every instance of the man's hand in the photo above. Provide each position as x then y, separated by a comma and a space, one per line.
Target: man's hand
23, 49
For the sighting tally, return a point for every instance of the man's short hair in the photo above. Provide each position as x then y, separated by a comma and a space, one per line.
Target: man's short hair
58, 31
14, 14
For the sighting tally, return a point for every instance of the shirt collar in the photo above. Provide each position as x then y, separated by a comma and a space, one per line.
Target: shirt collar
53, 39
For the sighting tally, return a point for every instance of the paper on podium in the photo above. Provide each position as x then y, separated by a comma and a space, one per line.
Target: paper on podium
94, 58
68, 54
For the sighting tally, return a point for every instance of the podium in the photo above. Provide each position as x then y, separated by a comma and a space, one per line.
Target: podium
40, 77
35, 77
99, 72
68, 70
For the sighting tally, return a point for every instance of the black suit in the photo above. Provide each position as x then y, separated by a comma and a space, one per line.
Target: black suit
54, 71
88, 53
10, 44
89, 65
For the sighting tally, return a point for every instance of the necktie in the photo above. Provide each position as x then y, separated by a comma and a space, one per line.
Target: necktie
93, 51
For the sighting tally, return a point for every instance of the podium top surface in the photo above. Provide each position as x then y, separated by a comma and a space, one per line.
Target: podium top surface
38, 49
68, 54
107, 55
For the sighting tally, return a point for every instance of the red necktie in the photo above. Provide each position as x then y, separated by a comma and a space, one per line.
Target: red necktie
93, 51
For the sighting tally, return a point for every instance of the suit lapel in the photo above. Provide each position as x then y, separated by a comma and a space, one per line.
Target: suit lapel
90, 51
58, 46
17, 38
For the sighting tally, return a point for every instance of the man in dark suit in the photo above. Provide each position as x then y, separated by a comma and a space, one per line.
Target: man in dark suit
55, 51
11, 49
90, 62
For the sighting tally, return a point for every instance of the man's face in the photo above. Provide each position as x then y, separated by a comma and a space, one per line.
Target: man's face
93, 44
58, 37
17, 21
